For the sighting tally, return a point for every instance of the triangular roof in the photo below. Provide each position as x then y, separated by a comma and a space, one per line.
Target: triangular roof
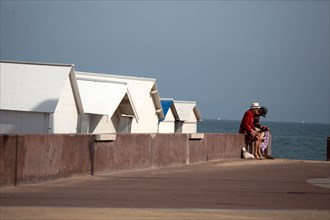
103, 97
35, 87
139, 89
185, 109
166, 105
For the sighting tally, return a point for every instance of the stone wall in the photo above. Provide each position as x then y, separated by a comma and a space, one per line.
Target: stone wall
34, 158
328, 149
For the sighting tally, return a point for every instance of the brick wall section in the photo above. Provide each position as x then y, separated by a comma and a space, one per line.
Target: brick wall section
7, 160
170, 150
328, 149
197, 151
125, 153
140, 151
223, 146
46, 157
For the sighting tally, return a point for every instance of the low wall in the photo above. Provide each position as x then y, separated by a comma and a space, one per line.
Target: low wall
125, 153
8, 160
328, 149
223, 146
34, 158
44, 157
142, 151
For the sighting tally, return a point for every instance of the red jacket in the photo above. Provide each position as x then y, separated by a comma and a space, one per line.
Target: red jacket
247, 122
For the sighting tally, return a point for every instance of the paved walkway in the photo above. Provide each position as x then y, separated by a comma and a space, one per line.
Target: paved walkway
228, 189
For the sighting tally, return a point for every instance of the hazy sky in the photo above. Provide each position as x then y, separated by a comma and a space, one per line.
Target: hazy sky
222, 54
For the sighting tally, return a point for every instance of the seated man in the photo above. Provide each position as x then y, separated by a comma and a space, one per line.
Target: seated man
252, 137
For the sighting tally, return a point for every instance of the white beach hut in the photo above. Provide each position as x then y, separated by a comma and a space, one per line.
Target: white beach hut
188, 116
38, 98
107, 105
167, 125
144, 95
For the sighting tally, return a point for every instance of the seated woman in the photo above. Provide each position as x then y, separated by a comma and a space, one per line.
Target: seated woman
264, 133
261, 129
252, 136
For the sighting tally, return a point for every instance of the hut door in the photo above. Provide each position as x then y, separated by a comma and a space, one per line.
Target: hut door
125, 123
178, 126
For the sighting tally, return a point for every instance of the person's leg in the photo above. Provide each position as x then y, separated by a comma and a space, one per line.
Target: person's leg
249, 148
268, 151
248, 143
256, 149
262, 136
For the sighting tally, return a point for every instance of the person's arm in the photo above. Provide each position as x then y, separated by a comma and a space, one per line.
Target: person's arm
248, 121
264, 128
256, 121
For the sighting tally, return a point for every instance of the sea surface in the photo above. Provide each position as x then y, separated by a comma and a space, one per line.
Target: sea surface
300, 141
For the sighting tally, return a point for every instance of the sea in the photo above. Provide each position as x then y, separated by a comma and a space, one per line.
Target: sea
290, 140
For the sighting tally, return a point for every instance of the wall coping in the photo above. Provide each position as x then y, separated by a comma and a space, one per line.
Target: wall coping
105, 137
196, 136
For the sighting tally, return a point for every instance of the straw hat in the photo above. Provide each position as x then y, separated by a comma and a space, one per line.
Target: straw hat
255, 105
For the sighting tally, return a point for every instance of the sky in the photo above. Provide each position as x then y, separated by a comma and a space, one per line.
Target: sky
222, 54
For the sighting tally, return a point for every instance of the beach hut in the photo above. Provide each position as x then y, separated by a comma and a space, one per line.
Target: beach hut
107, 104
188, 116
38, 98
144, 95
167, 125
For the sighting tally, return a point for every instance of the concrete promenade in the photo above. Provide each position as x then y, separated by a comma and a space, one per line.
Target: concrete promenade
225, 189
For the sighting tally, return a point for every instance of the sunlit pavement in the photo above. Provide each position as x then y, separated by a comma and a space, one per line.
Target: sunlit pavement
228, 189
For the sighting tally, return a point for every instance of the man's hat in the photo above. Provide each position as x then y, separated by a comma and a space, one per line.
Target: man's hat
255, 105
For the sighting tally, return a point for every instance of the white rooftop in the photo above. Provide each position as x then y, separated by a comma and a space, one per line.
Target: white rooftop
32, 86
